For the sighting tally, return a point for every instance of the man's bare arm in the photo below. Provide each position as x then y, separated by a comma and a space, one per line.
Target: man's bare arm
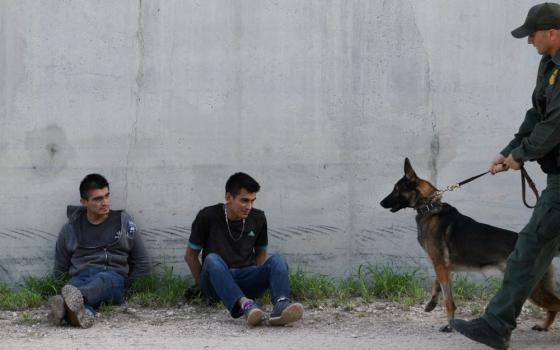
191, 258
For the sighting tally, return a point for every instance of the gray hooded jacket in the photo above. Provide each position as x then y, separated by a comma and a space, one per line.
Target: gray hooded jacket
125, 255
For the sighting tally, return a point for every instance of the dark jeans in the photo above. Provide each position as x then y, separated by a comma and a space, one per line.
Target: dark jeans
536, 246
99, 285
219, 282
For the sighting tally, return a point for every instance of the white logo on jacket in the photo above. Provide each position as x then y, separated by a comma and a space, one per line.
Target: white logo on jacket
130, 230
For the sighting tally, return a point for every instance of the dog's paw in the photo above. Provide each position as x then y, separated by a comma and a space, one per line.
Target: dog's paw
446, 329
430, 306
539, 328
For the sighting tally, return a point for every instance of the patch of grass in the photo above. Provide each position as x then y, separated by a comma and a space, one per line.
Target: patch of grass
32, 292
45, 286
18, 300
403, 287
494, 284
368, 283
312, 288
108, 310
158, 289
464, 289
264, 299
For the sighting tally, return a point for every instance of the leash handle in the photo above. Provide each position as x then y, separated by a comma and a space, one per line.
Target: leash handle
526, 178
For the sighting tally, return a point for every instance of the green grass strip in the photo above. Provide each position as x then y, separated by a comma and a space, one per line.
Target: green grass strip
22, 299
160, 288
367, 283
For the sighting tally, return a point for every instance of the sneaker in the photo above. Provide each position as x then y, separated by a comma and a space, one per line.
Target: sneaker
253, 314
56, 312
285, 312
76, 311
480, 331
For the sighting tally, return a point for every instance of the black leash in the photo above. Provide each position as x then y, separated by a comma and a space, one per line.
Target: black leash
472, 179
525, 178
453, 187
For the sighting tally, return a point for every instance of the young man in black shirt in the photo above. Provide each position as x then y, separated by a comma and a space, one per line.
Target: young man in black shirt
233, 239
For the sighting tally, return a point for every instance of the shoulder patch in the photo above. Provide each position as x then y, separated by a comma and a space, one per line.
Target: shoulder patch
552, 79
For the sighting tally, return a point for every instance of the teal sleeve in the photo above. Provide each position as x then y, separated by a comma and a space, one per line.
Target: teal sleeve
195, 246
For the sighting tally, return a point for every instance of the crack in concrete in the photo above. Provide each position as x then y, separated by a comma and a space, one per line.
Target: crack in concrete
434, 153
434, 143
137, 92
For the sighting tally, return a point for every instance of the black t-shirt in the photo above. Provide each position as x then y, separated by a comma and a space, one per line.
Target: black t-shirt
101, 234
209, 232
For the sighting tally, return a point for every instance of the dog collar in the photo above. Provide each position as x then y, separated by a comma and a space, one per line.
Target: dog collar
427, 208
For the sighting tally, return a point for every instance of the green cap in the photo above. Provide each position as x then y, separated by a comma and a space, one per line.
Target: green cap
540, 17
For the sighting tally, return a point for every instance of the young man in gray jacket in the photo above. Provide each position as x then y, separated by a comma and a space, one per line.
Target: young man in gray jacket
101, 250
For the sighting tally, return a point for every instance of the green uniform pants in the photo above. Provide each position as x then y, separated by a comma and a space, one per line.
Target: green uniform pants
536, 246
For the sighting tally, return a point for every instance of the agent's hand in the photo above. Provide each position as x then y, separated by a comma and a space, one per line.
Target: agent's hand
511, 163
498, 165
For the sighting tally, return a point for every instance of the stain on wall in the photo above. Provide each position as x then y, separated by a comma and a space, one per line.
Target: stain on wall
48, 150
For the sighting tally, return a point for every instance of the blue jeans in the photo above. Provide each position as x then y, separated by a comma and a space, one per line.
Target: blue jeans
219, 282
99, 285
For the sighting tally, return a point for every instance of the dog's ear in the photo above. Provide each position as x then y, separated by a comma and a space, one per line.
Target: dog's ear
408, 171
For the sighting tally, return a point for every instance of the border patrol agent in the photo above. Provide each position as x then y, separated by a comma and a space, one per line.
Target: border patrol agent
538, 139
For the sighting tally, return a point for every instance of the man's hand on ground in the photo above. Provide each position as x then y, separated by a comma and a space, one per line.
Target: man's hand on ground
193, 293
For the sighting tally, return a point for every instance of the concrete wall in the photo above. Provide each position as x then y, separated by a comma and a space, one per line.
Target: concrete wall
319, 100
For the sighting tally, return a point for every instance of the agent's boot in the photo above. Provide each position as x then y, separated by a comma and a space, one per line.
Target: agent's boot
480, 331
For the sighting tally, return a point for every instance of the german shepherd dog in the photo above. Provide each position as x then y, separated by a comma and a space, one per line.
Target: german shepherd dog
455, 242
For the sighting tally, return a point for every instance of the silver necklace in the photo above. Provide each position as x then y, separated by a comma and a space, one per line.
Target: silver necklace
227, 224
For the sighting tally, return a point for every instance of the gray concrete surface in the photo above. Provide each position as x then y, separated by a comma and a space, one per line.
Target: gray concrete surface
319, 100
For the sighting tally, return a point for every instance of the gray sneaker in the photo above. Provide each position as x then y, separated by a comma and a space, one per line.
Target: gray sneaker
285, 312
77, 313
56, 309
253, 314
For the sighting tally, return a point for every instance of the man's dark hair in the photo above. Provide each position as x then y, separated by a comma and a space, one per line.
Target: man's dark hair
92, 182
238, 181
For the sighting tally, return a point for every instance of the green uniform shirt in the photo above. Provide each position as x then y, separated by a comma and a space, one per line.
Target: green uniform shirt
539, 134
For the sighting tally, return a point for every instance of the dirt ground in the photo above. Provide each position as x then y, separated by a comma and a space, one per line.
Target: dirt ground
379, 325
